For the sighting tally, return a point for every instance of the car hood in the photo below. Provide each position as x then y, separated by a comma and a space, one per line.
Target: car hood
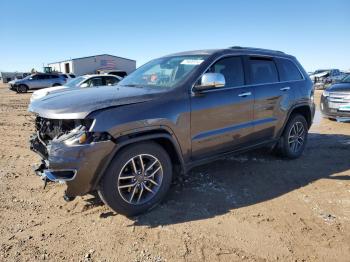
46, 91
78, 103
340, 87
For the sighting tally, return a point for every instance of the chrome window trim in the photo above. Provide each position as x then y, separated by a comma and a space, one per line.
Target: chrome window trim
250, 85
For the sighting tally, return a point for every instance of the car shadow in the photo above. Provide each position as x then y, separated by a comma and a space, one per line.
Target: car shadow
243, 180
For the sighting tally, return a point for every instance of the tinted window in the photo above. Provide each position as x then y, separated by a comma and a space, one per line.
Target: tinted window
111, 80
64, 76
42, 77
95, 81
54, 76
262, 71
232, 69
288, 70
72, 76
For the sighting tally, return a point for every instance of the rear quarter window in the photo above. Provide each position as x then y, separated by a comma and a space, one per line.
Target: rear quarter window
288, 70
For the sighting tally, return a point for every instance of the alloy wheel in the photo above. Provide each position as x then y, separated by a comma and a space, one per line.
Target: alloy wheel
140, 179
296, 137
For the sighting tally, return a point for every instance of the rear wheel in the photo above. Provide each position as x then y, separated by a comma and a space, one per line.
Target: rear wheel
293, 140
137, 180
22, 89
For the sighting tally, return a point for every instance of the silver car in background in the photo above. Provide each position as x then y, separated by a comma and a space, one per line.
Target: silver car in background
37, 81
79, 82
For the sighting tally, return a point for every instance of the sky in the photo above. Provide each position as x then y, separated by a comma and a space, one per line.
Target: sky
34, 33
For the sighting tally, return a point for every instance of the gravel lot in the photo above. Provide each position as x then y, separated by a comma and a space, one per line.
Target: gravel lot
252, 207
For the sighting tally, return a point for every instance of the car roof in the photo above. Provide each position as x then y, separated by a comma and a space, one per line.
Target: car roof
233, 49
94, 75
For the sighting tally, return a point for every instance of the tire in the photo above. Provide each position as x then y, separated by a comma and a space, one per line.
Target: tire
115, 187
22, 89
294, 138
56, 84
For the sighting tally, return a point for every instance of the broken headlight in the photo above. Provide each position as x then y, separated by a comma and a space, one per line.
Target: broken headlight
80, 136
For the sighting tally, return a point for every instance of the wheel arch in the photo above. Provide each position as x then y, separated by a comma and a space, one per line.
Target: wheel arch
302, 109
159, 136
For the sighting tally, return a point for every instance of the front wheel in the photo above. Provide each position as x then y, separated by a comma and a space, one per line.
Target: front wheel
293, 140
137, 179
22, 89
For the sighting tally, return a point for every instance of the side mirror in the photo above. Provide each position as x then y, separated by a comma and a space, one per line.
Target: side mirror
84, 85
210, 81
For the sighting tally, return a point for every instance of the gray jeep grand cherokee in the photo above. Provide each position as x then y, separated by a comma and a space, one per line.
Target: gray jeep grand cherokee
168, 116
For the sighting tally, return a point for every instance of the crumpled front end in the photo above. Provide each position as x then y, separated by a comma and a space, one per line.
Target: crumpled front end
71, 153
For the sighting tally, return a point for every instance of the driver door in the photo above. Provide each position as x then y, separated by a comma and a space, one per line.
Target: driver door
221, 119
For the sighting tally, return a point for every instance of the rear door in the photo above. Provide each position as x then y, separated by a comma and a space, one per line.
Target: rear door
273, 97
221, 119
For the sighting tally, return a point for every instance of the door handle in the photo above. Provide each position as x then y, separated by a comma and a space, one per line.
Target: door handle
285, 88
245, 94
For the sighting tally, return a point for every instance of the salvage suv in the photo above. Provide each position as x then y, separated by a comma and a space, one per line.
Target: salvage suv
168, 116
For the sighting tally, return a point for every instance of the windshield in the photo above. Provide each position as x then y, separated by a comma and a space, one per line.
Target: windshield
29, 76
74, 82
163, 72
346, 79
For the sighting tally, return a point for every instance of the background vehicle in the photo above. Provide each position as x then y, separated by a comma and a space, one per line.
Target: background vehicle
335, 101
120, 73
37, 81
68, 76
170, 115
326, 76
79, 82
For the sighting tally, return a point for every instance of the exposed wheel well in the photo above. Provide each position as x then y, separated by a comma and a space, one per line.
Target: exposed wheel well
170, 148
304, 111
160, 137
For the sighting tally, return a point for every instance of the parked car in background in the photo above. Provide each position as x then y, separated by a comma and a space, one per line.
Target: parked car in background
335, 101
79, 82
326, 76
36, 81
173, 113
120, 73
68, 76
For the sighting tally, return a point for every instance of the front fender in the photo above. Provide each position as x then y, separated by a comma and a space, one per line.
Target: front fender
131, 138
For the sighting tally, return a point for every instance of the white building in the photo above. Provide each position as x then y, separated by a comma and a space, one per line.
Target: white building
91, 64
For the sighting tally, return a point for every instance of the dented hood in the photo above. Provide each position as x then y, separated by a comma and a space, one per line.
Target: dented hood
78, 103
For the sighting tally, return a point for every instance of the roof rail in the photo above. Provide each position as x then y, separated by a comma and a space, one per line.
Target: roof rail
256, 49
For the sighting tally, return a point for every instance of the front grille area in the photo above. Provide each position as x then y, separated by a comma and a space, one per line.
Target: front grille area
339, 97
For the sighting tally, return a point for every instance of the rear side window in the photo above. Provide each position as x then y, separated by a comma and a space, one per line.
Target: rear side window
262, 70
288, 70
232, 69
54, 76
111, 80
42, 77
95, 81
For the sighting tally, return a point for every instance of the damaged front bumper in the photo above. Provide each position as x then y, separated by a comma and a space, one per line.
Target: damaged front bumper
78, 165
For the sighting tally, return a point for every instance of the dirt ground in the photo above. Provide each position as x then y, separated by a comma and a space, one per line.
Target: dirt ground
252, 207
